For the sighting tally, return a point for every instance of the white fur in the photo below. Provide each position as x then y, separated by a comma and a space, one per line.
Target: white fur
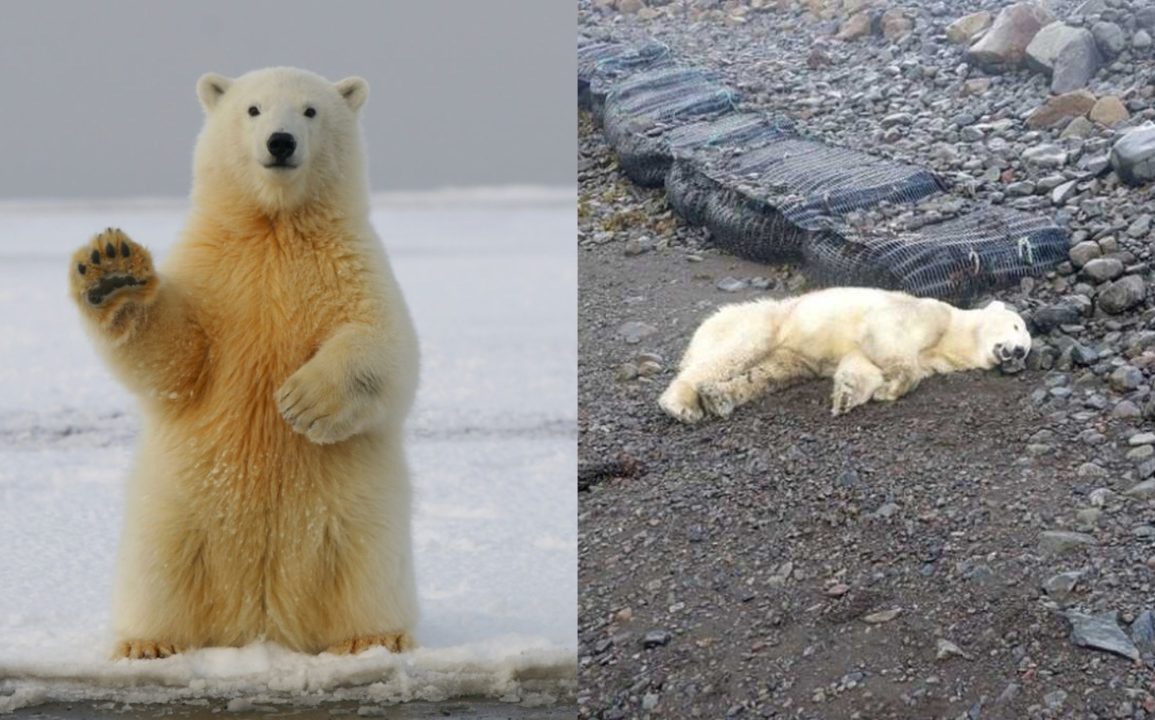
875, 344
276, 362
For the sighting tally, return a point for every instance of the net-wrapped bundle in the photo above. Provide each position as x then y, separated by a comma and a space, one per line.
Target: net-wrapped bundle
602, 64
642, 110
729, 134
764, 204
955, 260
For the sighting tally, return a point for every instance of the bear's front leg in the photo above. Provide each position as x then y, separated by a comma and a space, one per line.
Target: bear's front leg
341, 391
112, 280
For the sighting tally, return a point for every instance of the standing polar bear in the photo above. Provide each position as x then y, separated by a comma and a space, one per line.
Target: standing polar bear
876, 344
275, 362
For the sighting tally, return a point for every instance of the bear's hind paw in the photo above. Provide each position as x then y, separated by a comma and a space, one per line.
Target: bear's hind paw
680, 402
393, 642
715, 400
144, 650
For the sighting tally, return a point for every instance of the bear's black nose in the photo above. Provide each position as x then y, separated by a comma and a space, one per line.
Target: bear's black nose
1020, 351
281, 145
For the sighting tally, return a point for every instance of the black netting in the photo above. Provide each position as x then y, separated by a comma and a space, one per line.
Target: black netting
641, 111
601, 64
954, 260
768, 195
764, 203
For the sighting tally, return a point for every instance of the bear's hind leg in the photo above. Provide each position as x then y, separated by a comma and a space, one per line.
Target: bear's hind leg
856, 380
899, 378
776, 372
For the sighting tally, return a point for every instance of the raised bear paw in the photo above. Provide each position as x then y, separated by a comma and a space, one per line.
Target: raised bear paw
144, 650
110, 270
393, 642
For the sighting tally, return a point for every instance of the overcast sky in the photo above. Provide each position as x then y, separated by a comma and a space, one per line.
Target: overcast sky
100, 97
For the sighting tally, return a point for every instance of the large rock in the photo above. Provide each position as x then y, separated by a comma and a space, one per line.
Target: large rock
855, 27
1077, 63
1005, 44
1110, 38
1109, 110
895, 24
1133, 156
968, 27
1122, 295
1045, 157
1060, 108
1049, 42
1101, 632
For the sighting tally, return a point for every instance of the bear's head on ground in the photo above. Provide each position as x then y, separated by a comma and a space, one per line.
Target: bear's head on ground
278, 139
1003, 333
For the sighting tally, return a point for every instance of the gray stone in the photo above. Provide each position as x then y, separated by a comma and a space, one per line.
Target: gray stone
1045, 156
1100, 632
1141, 40
730, 284
1143, 632
1109, 37
1077, 63
1050, 317
1122, 295
1085, 252
1048, 43
1140, 227
655, 638
1058, 542
633, 332
1062, 585
1144, 490
1125, 378
1133, 156
1103, 269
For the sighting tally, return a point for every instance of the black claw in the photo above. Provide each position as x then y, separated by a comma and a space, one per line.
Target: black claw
109, 250
95, 257
124, 251
81, 268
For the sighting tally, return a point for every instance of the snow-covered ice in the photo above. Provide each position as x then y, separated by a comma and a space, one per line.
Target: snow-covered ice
491, 280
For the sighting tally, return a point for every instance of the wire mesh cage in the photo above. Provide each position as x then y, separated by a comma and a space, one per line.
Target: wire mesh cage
602, 64
956, 260
764, 203
642, 111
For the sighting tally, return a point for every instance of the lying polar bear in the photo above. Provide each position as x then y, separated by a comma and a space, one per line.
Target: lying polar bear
876, 344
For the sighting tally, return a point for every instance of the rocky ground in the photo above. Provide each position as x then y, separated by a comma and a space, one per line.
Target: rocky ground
947, 556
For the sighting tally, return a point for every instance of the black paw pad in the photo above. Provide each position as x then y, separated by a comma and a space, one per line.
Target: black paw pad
109, 285
124, 251
95, 257
81, 268
109, 250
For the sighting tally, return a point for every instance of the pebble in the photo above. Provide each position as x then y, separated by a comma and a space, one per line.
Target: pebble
1059, 542
634, 331
1100, 632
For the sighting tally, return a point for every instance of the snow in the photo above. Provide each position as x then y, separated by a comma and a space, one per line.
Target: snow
491, 280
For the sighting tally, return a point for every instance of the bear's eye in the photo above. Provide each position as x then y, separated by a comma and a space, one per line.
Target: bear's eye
253, 111
310, 112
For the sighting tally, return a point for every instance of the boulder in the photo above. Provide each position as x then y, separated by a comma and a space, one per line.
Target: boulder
895, 24
1133, 156
1110, 38
1005, 44
1122, 295
1077, 63
855, 27
968, 27
1060, 108
1109, 110
1049, 42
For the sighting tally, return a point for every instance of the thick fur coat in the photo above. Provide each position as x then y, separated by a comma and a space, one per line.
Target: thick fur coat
275, 363
875, 344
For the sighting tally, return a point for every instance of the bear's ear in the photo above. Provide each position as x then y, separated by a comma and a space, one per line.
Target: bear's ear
996, 305
210, 88
355, 91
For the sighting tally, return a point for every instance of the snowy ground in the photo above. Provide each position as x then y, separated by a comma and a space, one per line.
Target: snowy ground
491, 280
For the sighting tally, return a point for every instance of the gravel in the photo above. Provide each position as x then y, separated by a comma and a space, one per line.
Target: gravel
758, 546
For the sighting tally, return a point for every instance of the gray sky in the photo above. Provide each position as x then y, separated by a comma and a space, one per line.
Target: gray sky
101, 97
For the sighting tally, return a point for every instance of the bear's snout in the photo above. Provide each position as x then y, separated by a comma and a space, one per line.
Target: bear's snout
281, 146
1008, 351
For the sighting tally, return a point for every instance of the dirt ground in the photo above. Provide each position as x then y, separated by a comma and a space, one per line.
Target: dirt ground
783, 563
